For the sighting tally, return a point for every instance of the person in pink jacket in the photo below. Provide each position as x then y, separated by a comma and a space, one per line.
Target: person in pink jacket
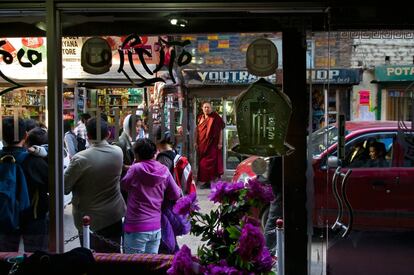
147, 183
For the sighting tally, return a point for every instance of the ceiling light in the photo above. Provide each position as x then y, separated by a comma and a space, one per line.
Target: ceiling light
179, 22
41, 25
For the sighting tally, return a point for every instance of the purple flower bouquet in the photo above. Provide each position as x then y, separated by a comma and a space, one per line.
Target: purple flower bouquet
234, 241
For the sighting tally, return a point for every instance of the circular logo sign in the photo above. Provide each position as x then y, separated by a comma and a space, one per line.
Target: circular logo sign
96, 56
259, 166
262, 57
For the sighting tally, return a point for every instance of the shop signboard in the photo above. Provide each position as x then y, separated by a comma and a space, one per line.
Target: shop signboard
230, 77
72, 54
243, 77
334, 76
395, 73
25, 58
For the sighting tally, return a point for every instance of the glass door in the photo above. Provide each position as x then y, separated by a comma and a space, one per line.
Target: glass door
363, 219
24, 124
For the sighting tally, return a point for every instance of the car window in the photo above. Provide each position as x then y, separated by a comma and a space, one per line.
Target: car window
322, 139
370, 151
405, 143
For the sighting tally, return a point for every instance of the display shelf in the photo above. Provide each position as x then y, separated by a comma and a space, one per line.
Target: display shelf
30, 102
69, 103
126, 100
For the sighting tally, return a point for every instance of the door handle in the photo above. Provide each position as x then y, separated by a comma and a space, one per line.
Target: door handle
347, 203
337, 198
340, 200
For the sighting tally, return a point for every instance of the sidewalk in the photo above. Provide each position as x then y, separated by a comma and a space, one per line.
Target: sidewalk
191, 241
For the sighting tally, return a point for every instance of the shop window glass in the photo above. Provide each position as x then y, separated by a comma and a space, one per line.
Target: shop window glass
23, 94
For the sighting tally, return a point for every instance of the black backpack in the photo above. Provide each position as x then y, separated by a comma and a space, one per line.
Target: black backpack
81, 143
78, 261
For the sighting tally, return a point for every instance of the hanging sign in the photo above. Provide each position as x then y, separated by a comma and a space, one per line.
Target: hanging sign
96, 56
263, 113
262, 57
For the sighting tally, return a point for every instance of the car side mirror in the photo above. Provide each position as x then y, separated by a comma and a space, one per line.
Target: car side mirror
333, 162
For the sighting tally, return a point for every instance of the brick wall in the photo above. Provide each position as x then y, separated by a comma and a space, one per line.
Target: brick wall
338, 50
372, 52
224, 51
228, 51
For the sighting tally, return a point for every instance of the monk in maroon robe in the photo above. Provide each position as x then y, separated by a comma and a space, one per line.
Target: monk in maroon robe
209, 136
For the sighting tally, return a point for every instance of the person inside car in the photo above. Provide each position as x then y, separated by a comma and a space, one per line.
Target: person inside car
377, 155
358, 155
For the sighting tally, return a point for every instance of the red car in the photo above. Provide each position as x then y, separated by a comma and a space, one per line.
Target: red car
380, 192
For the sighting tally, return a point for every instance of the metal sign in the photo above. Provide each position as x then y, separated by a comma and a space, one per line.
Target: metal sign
262, 57
263, 113
96, 56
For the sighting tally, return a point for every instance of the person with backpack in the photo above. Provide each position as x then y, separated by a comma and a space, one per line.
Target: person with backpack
23, 193
178, 165
173, 225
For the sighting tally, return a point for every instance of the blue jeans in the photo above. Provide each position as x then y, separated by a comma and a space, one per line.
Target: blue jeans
142, 242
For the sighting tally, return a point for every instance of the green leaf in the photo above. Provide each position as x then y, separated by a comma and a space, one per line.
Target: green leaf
234, 233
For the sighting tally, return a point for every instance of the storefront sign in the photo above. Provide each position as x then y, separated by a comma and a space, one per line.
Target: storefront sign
21, 55
139, 59
394, 73
334, 76
216, 77
233, 77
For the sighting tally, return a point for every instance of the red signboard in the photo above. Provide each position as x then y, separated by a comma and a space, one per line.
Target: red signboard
364, 97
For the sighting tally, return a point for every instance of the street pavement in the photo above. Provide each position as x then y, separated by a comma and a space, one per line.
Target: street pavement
190, 240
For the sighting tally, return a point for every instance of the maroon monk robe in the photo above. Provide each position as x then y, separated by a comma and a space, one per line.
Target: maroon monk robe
210, 158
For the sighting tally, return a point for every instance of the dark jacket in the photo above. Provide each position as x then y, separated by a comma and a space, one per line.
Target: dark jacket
36, 172
125, 144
